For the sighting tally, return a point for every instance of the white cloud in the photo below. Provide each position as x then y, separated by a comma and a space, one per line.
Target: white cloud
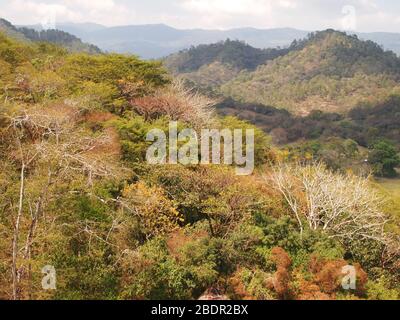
288, 4
369, 4
91, 4
371, 15
107, 12
225, 14
233, 7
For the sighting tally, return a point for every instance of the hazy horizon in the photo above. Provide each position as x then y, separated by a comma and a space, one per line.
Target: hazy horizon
65, 23
350, 15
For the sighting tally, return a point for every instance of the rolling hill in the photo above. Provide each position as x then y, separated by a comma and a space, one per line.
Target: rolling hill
329, 71
209, 66
327, 85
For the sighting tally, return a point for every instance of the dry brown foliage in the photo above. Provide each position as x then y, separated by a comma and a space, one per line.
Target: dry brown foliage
178, 103
281, 279
311, 291
213, 294
281, 258
49, 139
178, 239
95, 117
241, 289
328, 276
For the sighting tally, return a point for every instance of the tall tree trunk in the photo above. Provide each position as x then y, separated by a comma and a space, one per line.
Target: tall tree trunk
16, 235
31, 233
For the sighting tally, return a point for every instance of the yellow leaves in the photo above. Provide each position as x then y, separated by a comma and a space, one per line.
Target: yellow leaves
283, 155
38, 85
308, 156
157, 214
5, 68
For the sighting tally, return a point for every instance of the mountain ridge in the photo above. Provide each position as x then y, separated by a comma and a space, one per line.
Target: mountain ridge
71, 42
138, 39
329, 71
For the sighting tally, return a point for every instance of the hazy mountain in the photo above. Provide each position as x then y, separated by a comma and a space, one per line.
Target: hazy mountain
156, 41
389, 41
159, 40
79, 29
62, 38
10, 30
328, 85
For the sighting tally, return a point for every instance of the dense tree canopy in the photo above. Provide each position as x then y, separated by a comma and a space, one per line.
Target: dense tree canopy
384, 158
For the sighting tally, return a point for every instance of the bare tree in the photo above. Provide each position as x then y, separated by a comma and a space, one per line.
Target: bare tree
289, 189
343, 205
177, 102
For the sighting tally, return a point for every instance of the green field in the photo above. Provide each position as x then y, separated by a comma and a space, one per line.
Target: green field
391, 188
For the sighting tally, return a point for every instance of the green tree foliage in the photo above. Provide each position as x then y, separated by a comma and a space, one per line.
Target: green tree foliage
162, 271
210, 66
39, 72
328, 135
234, 53
384, 158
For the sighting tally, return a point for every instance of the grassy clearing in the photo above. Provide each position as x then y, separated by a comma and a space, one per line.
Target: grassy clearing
391, 189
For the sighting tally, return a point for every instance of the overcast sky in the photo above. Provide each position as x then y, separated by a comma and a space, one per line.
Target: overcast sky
357, 15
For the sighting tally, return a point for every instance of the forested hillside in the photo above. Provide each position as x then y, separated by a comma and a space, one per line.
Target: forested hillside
365, 123
315, 98
330, 71
77, 194
209, 66
61, 38
343, 141
234, 53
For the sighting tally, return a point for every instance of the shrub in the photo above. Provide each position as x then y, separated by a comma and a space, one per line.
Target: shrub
156, 213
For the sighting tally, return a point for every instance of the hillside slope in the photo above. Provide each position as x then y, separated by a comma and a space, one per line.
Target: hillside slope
214, 64
364, 124
329, 71
61, 38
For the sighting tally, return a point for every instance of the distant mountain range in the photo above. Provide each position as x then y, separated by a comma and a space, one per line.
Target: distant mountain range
59, 37
159, 40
